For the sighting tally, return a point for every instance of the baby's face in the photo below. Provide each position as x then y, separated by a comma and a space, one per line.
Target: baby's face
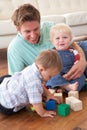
49, 73
61, 40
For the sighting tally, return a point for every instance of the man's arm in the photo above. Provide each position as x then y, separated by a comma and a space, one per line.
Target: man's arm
80, 38
77, 69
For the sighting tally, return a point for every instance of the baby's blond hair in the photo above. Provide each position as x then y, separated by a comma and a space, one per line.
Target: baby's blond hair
60, 27
49, 59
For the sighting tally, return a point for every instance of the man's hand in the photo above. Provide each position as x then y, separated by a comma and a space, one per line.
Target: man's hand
76, 71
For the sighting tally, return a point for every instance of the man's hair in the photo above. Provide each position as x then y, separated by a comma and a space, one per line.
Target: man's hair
60, 27
25, 12
49, 59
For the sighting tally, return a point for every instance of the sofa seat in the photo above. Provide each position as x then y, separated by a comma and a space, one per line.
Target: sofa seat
7, 33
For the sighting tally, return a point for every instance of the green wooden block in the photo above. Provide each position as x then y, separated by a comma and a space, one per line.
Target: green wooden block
63, 109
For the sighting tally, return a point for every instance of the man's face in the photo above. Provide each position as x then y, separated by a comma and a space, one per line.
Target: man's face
30, 30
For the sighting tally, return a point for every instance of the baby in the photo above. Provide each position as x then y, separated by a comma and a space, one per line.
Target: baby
61, 36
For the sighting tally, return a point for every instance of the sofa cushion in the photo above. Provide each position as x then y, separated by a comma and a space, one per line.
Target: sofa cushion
77, 18
55, 18
79, 30
5, 40
8, 27
52, 7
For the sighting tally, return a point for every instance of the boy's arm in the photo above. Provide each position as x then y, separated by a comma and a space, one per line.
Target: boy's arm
43, 112
77, 69
49, 95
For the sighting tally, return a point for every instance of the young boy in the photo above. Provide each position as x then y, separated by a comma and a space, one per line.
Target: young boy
27, 86
61, 37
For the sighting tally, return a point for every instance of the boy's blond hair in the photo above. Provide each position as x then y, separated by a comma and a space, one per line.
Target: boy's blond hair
49, 59
61, 27
25, 12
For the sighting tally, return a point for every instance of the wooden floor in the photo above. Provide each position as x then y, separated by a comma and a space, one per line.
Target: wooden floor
28, 120
3, 62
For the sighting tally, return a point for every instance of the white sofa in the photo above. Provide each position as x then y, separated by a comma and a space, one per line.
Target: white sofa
71, 12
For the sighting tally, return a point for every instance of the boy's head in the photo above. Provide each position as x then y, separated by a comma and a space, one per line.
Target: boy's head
48, 63
61, 36
25, 12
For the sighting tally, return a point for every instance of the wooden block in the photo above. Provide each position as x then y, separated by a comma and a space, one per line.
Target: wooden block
52, 90
51, 105
73, 93
67, 100
63, 109
75, 104
60, 96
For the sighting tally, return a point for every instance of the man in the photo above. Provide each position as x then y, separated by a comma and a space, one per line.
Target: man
32, 38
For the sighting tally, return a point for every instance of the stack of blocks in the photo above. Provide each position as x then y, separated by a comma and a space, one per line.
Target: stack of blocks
63, 109
73, 101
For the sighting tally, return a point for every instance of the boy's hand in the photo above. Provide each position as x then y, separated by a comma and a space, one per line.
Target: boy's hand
49, 114
51, 96
43, 112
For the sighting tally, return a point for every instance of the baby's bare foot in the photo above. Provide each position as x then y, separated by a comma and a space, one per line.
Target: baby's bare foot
74, 86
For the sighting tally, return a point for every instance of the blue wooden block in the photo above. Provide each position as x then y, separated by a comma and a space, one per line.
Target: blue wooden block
51, 105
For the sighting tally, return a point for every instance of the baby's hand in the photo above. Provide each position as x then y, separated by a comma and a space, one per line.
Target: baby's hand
49, 114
